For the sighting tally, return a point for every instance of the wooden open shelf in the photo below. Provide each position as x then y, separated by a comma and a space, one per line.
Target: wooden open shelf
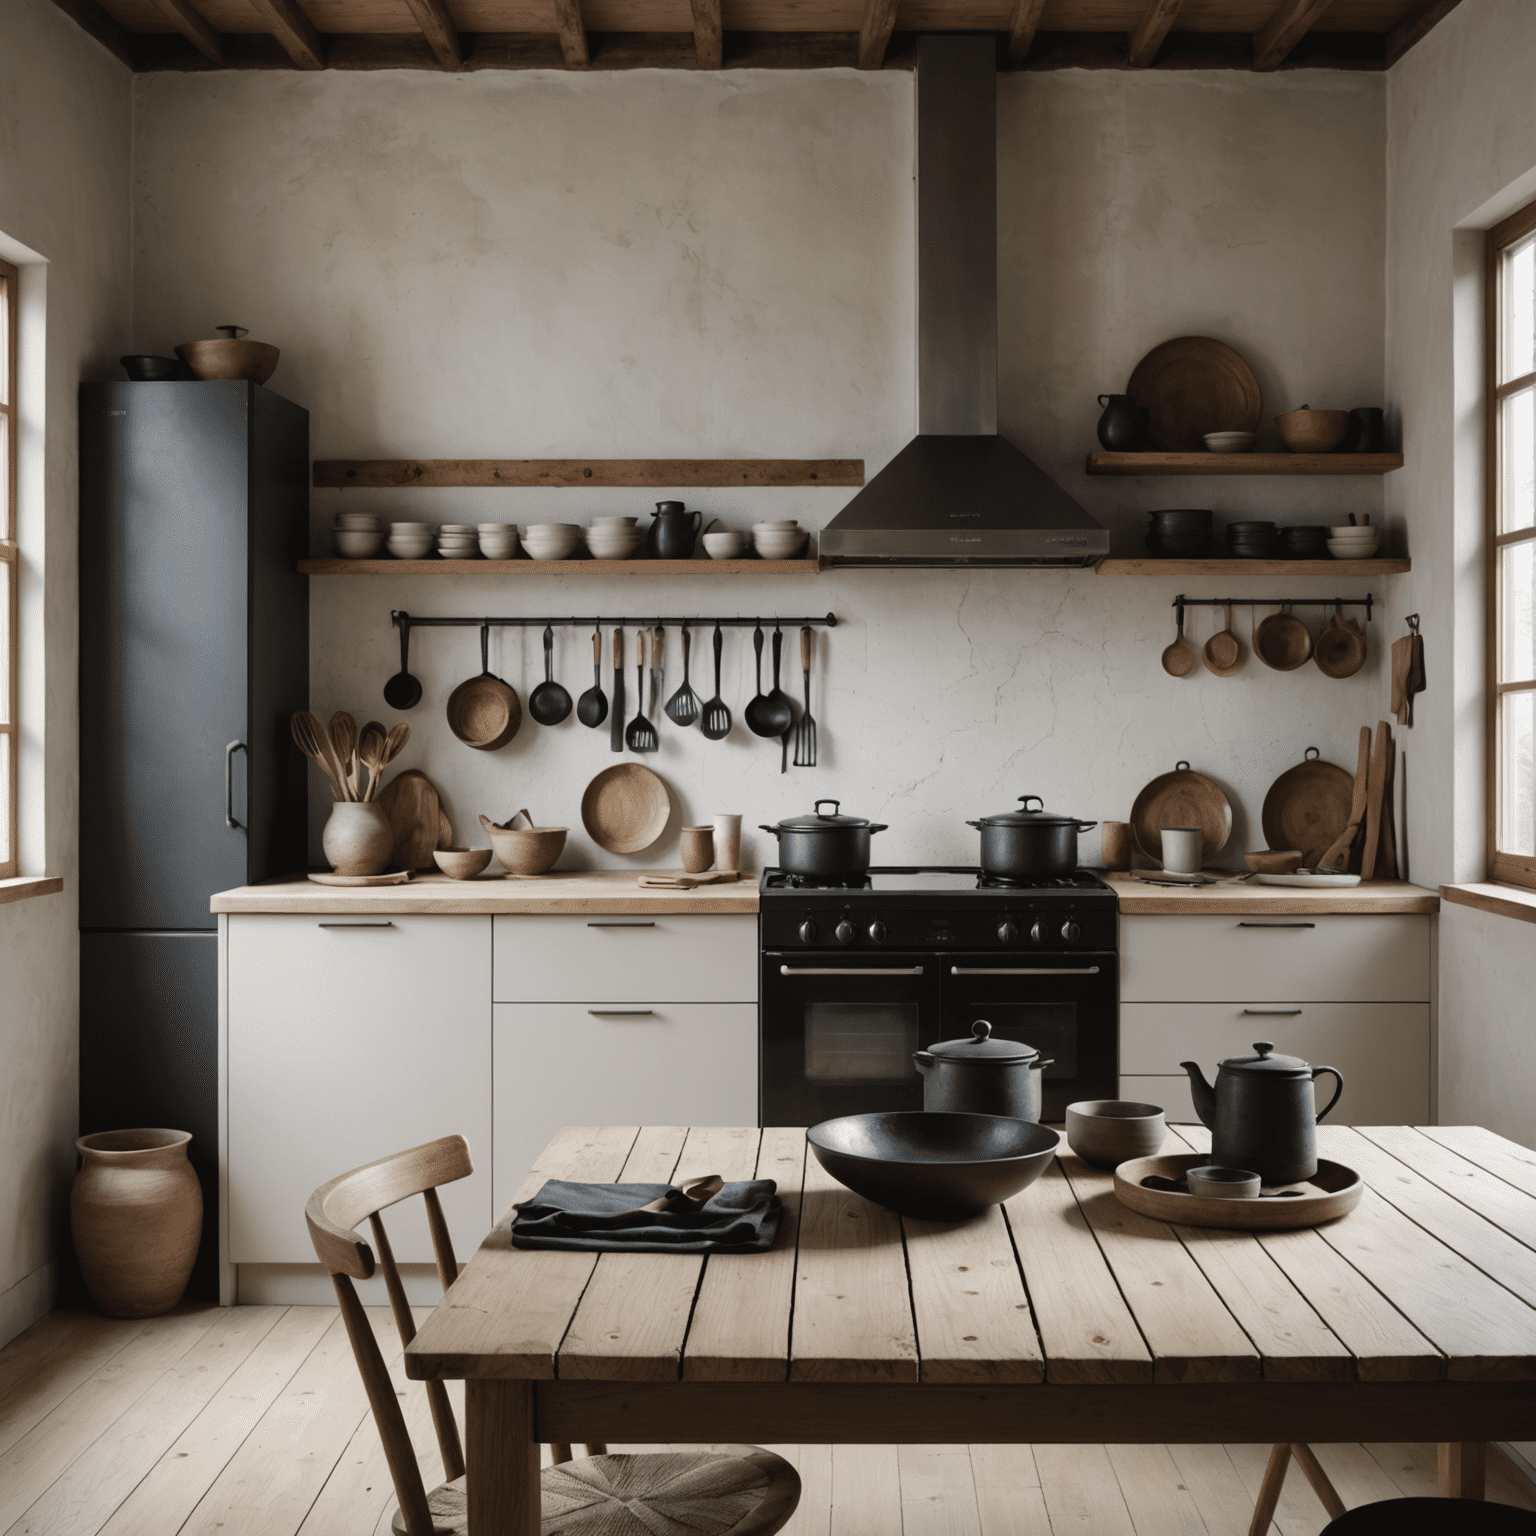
1241, 463
439, 567
657, 474
1151, 567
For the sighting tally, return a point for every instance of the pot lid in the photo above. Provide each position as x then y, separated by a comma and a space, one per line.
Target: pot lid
982, 1047
1030, 816
1266, 1063
819, 821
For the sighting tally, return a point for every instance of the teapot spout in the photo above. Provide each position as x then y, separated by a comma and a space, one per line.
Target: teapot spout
1202, 1093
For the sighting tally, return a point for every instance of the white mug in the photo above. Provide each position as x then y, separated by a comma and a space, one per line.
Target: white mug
1181, 849
727, 842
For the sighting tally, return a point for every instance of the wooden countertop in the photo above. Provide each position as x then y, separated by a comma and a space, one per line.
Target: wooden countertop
585, 890
1225, 900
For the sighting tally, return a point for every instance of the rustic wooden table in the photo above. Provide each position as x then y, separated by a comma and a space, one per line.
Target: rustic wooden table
1059, 1317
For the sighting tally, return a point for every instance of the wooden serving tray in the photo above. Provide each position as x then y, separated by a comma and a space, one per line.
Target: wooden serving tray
395, 877
1332, 1192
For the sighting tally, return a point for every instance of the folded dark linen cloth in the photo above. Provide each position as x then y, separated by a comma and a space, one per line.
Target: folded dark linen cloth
603, 1218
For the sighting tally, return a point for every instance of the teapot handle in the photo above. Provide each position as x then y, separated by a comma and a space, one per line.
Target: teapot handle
1339, 1078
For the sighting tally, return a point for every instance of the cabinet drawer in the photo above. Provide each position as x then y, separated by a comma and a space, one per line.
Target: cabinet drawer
1365, 957
686, 958
621, 1063
1381, 1049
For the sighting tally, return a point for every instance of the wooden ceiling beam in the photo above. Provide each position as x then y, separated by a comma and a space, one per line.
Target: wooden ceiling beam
573, 34
294, 30
1022, 27
708, 39
193, 26
1422, 19
438, 27
1155, 24
1290, 23
875, 32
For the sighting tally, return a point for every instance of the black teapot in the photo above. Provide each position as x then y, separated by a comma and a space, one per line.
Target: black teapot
1262, 1112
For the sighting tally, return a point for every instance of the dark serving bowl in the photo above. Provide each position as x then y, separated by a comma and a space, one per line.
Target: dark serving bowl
153, 370
933, 1164
1172, 546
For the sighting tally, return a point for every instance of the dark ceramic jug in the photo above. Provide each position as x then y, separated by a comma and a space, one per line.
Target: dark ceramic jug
1123, 424
1365, 433
674, 532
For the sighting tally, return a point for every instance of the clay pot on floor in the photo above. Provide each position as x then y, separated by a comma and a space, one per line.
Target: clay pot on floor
136, 1212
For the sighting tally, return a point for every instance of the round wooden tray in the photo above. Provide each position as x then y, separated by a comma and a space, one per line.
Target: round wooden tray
1307, 807
1182, 798
395, 877
626, 808
1193, 385
1332, 1192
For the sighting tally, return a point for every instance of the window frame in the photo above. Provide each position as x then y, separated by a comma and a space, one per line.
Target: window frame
1504, 868
9, 562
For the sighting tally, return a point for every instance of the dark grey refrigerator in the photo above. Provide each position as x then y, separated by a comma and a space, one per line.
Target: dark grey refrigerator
194, 652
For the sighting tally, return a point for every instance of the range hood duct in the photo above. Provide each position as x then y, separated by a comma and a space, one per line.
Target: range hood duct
958, 494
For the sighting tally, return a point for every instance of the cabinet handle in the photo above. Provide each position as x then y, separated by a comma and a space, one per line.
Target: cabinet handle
622, 1013
852, 970
229, 782
1023, 970
621, 925
1277, 925
1272, 1013
344, 926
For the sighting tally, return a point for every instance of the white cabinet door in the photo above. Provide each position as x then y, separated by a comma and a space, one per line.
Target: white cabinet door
679, 957
623, 1063
1363, 957
350, 1038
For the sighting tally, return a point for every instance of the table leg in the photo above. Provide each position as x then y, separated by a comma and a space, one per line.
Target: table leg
501, 1458
1462, 1467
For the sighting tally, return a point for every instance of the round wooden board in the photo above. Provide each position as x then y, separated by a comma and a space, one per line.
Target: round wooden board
1182, 798
396, 877
626, 808
1308, 807
1333, 1191
1193, 385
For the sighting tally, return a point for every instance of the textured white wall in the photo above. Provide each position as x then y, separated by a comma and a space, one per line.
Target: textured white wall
647, 264
64, 194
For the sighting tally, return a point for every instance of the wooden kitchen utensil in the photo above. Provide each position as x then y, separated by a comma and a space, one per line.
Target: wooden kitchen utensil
1386, 847
641, 735
1374, 790
314, 741
343, 733
1340, 648
395, 877
1182, 798
1308, 807
626, 808
483, 711
1341, 854
668, 880
1223, 653
1193, 385
410, 803
1282, 641
1178, 659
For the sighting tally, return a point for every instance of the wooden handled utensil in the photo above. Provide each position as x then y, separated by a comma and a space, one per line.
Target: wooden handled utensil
1338, 856
1179, 658
1375, 789
1223, 653
690, 1197
343, 734
314, 741
641, 735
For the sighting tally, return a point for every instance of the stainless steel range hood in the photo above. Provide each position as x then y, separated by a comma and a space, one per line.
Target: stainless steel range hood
958, 494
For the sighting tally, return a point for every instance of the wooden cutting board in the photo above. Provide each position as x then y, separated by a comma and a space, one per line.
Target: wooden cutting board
1193, 385
411, 806
1308, 807
1342, 853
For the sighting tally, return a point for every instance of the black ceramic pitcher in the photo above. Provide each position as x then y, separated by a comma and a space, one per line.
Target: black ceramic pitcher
674, 532
1123, 424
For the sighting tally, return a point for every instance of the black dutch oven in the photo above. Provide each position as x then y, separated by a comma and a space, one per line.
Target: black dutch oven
819, 844
1029, 844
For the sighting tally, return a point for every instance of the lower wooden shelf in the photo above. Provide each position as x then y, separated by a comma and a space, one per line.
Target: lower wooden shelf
440, 567
1151, 567
1100, 463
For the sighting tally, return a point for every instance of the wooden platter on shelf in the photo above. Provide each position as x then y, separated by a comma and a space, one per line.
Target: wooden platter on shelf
1308, 807
1193, 385
1182, 798
626, 808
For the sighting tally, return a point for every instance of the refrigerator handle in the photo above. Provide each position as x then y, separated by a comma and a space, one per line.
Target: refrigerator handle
229, 783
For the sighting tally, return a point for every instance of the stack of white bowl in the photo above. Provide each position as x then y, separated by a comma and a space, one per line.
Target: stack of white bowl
410, 541
725, 544
458, 541
614, 538
1352, 543
357, 535
778, 541
498, 541
552, 541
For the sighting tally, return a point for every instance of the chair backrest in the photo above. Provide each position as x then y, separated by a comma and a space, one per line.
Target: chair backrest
332, 1213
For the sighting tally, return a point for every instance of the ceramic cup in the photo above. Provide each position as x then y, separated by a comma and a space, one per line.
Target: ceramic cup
698, 849
1222, 1183
1105, 1132
1115, 844
727, 842
1181, 849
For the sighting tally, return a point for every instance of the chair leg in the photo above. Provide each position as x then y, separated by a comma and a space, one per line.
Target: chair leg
1269, 1490
1321, 1486
597, 1450
1463, 1467
559, 1453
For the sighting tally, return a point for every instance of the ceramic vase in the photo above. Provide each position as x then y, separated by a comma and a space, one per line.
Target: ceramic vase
727, 842
136, 1212
358, 839
697, 846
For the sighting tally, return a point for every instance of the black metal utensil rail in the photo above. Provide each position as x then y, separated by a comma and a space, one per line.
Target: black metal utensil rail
398, 618
1181, 603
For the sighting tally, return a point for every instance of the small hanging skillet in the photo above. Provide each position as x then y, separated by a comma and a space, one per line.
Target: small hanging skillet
484, 712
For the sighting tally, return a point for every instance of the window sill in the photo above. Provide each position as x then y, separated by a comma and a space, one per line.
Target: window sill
1504, 900
24, 886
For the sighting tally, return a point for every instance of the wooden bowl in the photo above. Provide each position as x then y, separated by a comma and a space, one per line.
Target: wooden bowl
626, 808
1270, 861
1282, 641
229, 359
462, 863
1309, 431
532, 851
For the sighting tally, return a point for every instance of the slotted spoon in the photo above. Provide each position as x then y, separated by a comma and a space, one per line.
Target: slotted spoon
641, 735
716, 720
683, 706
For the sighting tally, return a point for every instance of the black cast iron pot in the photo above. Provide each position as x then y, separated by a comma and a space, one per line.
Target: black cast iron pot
982, 1076
1031, 844
819, 844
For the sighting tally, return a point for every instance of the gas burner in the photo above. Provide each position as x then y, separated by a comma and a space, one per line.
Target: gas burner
779, 880
1078, 880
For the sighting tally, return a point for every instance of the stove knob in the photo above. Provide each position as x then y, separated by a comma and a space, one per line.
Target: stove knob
1008, 933
1039, 933
843, 933
1071, 932
877, 932
808, 931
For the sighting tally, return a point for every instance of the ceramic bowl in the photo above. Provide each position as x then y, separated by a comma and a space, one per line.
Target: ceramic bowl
601, 551
554, 529
153, 370
504, 545
614, 522
531, 851
357, 544
1104, 1132
1222, 1183
358, 520
409, 549
508, 528
550, 549
462, 863
457, 528
779, 543
727, 545
1352, 549
1309, 431
786, 522
425, 529
1273, 861
230, 358
1230, 442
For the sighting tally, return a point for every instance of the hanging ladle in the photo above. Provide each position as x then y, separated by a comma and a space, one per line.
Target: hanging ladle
764, 717
549, 703
1179, 659
403, 691
592, 706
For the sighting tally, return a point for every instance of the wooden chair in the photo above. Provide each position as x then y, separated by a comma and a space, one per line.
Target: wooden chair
1274, 1480
737, 1490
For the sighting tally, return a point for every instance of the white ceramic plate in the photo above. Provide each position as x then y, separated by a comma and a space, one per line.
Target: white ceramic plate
1310, 878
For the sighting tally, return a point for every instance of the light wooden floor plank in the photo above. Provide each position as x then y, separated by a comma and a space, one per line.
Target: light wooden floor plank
1219, 1493
41, 1373
1082, 1494
866, 1491
1155, 1494
938, 1491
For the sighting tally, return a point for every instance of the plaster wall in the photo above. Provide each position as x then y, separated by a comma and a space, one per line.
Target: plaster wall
1461, 155
647, 264
64, 179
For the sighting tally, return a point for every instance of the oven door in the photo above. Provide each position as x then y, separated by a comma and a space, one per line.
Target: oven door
1066, 1006
837, 1033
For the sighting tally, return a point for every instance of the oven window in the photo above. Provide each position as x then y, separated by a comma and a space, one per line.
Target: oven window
1051, 1028
859, 1042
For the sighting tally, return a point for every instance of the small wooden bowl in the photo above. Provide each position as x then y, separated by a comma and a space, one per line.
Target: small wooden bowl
462, 863
1272, 861
532, 851
484, 712
229, 359
1309, 431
